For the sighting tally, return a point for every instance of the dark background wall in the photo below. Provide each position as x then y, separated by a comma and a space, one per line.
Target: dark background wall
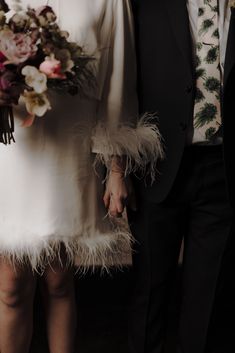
102, 313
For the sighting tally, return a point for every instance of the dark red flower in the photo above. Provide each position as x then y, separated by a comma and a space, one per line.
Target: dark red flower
7, 78
2, 57
9, 84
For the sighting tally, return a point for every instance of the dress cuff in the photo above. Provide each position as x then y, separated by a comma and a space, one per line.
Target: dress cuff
141, 145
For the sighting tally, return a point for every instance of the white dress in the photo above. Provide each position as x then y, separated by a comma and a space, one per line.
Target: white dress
50, 192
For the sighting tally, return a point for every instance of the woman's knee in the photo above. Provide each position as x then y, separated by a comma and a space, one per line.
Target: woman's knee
16, 287
58, 284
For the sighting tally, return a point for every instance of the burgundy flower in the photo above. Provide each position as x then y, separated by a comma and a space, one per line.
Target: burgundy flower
9, 84
7, 79
2, 57
2, 61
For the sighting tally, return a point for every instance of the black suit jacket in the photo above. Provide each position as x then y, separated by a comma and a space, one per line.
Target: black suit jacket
166, 85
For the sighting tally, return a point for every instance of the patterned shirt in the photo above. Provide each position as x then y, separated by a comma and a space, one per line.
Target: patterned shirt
224, 20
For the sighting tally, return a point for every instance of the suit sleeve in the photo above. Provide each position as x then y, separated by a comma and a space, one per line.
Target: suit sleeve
119, 131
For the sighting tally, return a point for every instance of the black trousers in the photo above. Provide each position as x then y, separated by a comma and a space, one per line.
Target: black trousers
197, 209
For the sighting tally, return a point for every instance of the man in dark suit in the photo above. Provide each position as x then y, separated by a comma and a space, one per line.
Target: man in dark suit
186, 69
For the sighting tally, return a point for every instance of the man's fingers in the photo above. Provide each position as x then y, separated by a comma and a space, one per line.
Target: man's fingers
116, 207
120, 204
106, 199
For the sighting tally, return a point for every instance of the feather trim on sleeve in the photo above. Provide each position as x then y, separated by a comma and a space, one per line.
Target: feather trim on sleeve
142, 145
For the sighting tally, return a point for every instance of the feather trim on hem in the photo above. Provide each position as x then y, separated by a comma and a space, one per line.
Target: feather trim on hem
141, 145
102, 251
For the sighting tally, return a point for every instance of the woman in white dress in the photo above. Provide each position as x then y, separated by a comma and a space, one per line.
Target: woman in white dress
52, 207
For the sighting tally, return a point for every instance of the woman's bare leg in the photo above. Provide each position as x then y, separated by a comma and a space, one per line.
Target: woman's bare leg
59, 297
17, 288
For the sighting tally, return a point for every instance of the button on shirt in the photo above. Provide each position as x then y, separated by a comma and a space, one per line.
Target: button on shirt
224, 21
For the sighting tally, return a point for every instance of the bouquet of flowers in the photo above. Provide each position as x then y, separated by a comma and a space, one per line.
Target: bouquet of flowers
36, 56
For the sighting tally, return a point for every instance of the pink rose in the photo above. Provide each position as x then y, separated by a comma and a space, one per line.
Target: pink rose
52, 68
16, 47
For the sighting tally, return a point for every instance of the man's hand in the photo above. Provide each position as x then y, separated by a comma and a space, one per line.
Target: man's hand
118, 193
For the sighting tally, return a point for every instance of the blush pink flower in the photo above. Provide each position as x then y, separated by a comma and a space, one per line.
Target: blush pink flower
16, 47
52, 68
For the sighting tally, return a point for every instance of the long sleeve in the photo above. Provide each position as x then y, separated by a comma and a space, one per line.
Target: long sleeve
119, 131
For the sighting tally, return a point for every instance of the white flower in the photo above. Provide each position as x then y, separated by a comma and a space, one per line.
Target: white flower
35, 79
20, 19
35, 103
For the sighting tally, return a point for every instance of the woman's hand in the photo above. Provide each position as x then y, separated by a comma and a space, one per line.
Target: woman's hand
118, 193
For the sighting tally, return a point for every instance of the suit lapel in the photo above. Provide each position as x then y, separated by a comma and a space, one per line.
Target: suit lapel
230, 51
179, 20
